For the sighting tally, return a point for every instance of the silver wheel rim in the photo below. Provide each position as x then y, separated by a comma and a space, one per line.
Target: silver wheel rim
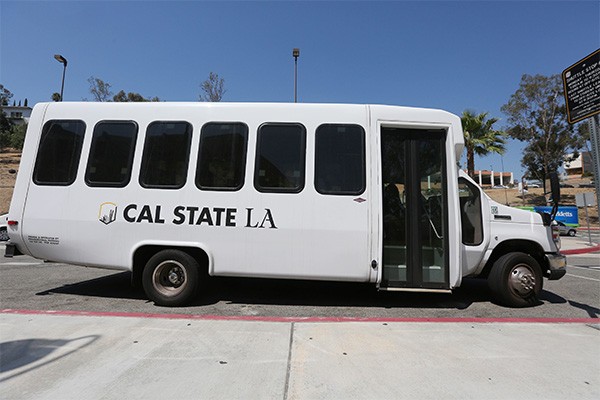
522, 280
169, 278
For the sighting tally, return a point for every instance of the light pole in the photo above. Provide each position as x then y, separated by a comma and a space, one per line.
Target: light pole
63, 61
296, 54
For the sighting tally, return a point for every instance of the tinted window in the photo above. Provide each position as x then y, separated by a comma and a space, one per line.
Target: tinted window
222, 156
340, 159
59, 152
470, 213
111, 155
166, 155
280, 158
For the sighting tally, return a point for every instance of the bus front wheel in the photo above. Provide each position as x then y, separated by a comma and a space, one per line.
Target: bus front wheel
170, 278
516, 280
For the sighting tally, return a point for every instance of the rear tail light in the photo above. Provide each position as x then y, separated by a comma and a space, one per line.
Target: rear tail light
12, 223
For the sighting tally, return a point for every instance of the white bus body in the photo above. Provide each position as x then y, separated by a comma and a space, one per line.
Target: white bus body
362, 193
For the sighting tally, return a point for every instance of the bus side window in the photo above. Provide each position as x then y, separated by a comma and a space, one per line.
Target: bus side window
166, 155
222, 156
111, 155
59, 152
470, 213
280, 158
340, 159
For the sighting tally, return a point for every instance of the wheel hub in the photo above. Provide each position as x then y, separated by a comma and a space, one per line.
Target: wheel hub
175, 276
522, 280
169, 278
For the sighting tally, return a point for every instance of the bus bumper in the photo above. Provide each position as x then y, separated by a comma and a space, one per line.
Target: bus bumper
557, 266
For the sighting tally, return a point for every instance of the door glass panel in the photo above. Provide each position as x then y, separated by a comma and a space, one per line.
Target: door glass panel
432, 210
393, 149
414, 208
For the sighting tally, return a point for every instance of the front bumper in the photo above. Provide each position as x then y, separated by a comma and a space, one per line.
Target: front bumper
557, 266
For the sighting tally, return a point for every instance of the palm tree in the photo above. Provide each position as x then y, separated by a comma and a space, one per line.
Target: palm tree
480, 137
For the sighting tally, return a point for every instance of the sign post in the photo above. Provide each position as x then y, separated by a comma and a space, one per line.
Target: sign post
585, 200
582, 88
581, 82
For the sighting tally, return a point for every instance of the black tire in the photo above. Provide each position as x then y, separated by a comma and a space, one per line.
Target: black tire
171, 278
516, 280
3, 235
571, 232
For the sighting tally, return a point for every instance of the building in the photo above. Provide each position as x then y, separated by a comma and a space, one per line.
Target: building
580, 166
18, 115
493, 178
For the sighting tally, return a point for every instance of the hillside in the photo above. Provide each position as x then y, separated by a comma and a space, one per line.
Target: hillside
10, 161
535, 197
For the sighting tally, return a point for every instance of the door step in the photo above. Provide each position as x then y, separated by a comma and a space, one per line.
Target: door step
416, 290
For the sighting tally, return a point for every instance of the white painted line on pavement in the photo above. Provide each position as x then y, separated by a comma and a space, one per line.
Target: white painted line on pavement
586, 268
584, 277
22, 263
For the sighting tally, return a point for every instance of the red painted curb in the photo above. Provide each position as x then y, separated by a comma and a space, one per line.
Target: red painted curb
303, 319
582, 251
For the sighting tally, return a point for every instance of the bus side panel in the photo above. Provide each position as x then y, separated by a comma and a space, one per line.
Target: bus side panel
19, 197
304, 235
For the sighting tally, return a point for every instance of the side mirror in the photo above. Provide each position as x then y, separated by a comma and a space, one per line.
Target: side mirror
555, 190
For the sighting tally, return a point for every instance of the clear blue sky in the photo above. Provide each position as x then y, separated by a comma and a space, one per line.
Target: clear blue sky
453, 55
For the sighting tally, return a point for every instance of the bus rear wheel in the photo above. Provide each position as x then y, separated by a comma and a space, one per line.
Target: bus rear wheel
171, 278
516, 280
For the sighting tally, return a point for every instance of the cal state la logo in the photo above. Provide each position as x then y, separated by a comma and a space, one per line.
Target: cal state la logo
107, 213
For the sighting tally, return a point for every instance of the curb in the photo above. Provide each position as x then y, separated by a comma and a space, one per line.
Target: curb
256, 318
582, 250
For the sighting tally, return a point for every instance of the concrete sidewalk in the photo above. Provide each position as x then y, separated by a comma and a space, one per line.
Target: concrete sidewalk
75, 357
579, 244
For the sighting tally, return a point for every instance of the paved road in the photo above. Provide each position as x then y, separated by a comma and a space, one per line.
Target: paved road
35, 285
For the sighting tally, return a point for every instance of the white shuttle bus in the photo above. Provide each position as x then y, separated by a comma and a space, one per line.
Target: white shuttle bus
178, 192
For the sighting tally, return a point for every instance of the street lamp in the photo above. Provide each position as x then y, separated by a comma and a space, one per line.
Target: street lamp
296, 54
63, 61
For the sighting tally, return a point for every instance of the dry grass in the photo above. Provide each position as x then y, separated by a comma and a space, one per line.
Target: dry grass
10, 161
535, 197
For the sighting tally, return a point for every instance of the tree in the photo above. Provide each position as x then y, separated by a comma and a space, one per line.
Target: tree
99, 89
537, 115
17, 136
5, 129
131, 97
213, 88
480, 137
11, 135
5, 96
5, 124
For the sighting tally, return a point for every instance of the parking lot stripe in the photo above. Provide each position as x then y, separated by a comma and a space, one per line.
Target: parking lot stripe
584, 277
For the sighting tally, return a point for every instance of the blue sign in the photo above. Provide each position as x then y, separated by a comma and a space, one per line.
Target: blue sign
567, 215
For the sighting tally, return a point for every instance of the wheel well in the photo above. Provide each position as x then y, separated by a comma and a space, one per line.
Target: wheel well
510, 246
144, 253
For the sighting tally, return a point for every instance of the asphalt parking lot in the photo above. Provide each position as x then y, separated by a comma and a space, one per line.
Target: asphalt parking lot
35, 285
71, 332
